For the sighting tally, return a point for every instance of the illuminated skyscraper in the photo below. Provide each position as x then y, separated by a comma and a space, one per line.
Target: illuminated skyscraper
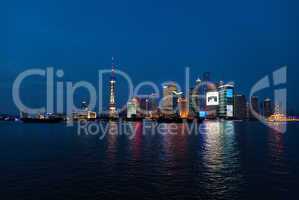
183, 107
211, 100
112, 82
132, 108
226, 100
169, 102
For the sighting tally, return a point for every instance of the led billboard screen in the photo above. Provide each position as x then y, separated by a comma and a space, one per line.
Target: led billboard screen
202, 114
212, 98
229, 111
229, 93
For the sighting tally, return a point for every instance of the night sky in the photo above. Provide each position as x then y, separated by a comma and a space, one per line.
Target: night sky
150, 40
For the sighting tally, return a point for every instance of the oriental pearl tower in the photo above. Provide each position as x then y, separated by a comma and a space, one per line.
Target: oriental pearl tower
112, 83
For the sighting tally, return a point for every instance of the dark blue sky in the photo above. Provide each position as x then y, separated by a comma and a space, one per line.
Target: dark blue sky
152, 40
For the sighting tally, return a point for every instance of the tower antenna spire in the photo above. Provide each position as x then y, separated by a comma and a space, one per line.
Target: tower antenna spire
113, 67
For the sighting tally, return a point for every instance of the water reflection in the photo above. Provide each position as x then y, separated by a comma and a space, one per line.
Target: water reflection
220, 157
207, 165
137, 140
175, 141
278, 170
173, 152
112, 140
275, 139
212, 146
278, 126
175, 147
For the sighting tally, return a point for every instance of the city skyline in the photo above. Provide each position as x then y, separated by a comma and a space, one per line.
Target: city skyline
205, 76
216, 99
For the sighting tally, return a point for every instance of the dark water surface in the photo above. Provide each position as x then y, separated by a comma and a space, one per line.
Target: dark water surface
222, 160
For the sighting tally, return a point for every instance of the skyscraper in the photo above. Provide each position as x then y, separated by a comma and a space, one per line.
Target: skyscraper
132, 108
211, 100
112, 82
206, 78
194, 99
143, 104
193, 102
267, 107
255, 107
240, 106
169, 102
153, 102
226, 100
147, 105
183, 107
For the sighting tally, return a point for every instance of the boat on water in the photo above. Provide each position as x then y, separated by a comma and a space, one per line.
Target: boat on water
277, 117
5, 117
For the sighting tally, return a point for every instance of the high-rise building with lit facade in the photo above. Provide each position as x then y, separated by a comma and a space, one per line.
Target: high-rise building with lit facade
170, 98
194, 99
132, 108
211, 101
226, 101
240, 107
208, 97
183, 107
